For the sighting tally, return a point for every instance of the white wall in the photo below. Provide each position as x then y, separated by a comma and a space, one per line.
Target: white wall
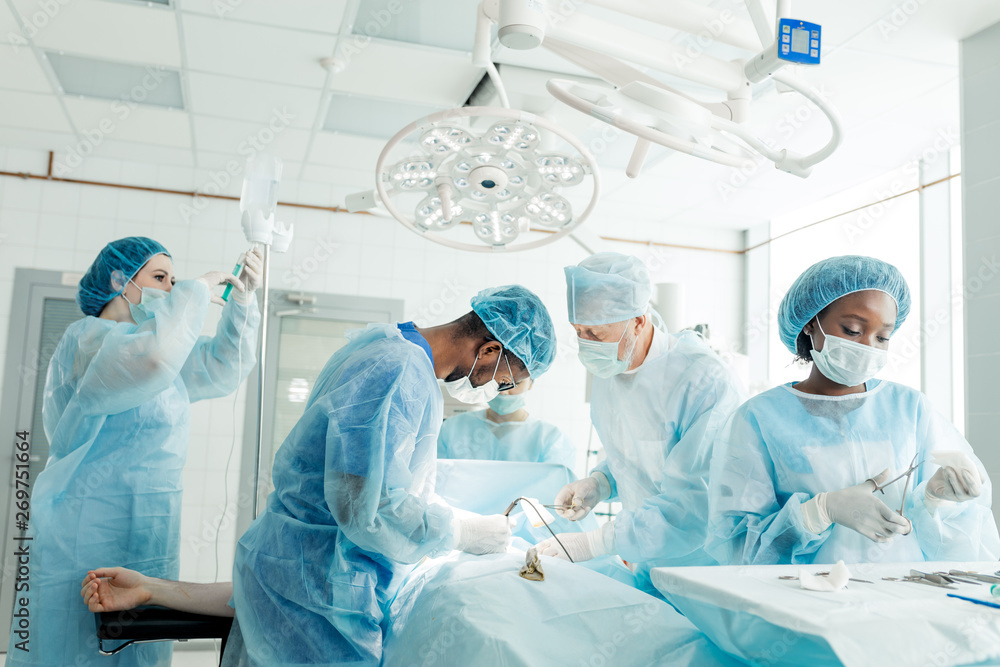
980, 84
62, 227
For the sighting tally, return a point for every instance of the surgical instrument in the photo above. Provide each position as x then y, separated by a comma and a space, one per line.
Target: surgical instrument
987, 578
907, 474
974, 600
513, 504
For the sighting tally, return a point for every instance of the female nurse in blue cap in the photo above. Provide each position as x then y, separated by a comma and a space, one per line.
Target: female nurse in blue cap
795, 474
117, 414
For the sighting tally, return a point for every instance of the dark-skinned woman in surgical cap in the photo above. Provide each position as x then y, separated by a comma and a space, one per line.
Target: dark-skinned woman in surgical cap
117, 414
793, 476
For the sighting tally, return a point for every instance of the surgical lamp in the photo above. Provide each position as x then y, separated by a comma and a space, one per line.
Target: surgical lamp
488, 167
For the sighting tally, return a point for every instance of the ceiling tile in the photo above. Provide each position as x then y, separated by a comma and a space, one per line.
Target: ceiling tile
393, 70
308, 15
238, 139
252, 101
144, 152
19, 70
32, 111
19, 137
346, 151
129, 122
260, 53
129, 33
10, 31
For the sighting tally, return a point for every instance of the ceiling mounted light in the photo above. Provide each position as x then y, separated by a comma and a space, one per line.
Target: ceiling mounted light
500, 180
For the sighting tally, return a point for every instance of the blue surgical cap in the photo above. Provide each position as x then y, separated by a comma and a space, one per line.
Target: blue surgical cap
607, 287
520, 321
826, 281
123, 257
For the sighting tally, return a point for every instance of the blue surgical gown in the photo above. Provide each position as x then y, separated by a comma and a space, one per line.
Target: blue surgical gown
472, 435
350, 508
784, 446
657, 425
117, 415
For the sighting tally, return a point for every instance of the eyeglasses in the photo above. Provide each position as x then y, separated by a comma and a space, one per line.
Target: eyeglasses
505, 386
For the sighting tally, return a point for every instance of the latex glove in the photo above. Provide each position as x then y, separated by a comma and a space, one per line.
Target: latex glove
114, 589
857, 508
252, 275
479, 534
215, 278
580, 546
583, 495
957, 479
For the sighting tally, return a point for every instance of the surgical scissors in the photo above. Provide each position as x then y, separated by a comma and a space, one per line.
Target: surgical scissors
906, 485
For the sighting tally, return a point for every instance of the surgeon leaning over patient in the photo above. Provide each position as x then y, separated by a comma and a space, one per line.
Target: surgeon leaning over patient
794, 473
505, 431
658, 402
353, 482
117, 413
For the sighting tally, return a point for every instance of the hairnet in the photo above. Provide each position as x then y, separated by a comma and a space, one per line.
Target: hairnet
519, 320
607, 287
125, 256
826, 281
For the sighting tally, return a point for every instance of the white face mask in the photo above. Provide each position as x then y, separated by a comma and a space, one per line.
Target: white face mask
601, 358
140, 311
846, 362
463, 390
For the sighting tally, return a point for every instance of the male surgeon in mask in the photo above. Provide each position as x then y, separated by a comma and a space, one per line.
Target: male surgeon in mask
658, 402
354, 481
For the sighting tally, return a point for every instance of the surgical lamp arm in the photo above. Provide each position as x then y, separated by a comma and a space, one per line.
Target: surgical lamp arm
793, 163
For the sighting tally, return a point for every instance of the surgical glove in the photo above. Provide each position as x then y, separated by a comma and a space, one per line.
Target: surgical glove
580, 546
858, 509
583, 496
252, 275
957, 480
479, 534
215, 278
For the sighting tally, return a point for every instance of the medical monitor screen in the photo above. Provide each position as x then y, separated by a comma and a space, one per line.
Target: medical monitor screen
800, 40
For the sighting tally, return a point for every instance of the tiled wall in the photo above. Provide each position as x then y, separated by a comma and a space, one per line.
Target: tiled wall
63, 226
980, 76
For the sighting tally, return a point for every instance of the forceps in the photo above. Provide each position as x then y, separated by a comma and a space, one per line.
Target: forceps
906, 485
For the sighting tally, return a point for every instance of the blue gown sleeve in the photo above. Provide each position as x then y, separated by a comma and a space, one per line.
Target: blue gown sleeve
954, 531
444, 438
379, 444
750, 523
217, 365
135, 363
673, 523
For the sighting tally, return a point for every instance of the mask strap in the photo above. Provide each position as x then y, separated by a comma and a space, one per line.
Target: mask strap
473, 368
126, 298
498, 366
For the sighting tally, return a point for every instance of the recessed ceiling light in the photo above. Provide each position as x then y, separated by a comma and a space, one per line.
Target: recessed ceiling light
449, 24
101, 79
371, 117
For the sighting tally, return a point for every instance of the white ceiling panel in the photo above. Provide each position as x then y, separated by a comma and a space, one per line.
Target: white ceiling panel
148, 153
113, 30
260, 53
20, 137
323, 16
414, 73
32, 111
10, 31
238, 139
252, 101
346, 151
121, 122
19, 70
346, 180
